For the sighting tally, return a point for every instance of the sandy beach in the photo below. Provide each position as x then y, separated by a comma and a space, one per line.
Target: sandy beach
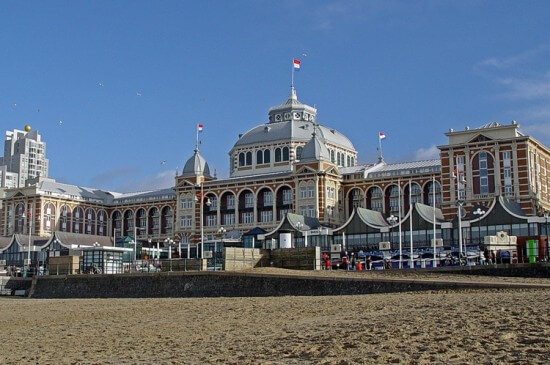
506, 326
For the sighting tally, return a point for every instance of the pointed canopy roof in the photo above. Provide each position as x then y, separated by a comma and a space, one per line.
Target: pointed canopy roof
196, 166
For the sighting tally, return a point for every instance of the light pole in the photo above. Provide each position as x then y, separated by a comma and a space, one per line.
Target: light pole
221, 232
300, 225
479, 212
199, 197
459, 203
392, 220
169, 242
546, 216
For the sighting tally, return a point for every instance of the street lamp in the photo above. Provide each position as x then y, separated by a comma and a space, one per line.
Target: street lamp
169, 242
392, 220
300, 225
459, 202
479, 212
200, 197
546, 216
221, 232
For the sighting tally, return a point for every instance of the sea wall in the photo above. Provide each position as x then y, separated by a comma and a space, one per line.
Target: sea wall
223, 284
535, 270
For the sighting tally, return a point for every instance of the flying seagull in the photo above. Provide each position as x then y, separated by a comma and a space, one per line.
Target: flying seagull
163, 162
138, 93
100, 84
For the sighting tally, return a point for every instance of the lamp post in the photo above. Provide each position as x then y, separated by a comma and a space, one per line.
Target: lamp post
221, 232
479, 212
300, 225
459, 202
169, 242
546, 216
392, 220
199, 197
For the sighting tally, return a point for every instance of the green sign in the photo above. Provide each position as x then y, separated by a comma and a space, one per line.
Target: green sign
532, 250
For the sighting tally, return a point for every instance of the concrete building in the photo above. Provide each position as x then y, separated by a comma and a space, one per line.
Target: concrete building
24, 157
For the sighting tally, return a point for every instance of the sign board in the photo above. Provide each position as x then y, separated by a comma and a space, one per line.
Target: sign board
336, 248
207, 254
2, 262
438, 242
26, 262
384, 246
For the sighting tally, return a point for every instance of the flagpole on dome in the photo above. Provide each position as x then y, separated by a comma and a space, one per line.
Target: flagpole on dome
381, 136
199, 129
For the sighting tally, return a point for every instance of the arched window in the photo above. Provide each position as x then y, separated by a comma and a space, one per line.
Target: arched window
259, 157
241, 159
267, 156
249, 159
349, 161
299, 150
286, 156
338, 159
277, 154
332, 158
353, 161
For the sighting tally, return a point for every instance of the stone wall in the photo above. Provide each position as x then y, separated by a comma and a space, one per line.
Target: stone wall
536, 270
223, 284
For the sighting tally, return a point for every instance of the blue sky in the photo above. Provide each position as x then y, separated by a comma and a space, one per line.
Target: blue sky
131, 79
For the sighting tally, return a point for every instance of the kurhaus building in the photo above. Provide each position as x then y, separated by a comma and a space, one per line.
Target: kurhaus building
294, 164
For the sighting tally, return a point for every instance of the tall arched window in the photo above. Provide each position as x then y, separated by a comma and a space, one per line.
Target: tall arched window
249, 158
267, 156
349, 160
259, 157
299, 150
278, 154
241, 159
332, 158
286, 155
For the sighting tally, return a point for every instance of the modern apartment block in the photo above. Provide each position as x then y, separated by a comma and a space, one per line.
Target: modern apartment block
24, 158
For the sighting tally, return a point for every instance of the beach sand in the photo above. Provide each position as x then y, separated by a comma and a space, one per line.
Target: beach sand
507, 326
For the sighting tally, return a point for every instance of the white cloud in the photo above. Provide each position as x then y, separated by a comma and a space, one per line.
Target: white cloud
430, 153
161, 180
513, 60
527, 88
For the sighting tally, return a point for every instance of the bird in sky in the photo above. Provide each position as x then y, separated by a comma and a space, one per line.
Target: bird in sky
138, 93
100, 84
163, 162
304, 54
60, 122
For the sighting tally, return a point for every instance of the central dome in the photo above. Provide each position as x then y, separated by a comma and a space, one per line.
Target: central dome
292, 121
277, 145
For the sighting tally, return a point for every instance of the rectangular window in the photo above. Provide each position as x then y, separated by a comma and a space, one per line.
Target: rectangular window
282, 213
483, 183
287, 197
231, 202
268, 199
211, 220
303, 192
266, 216
185, 221
213, 204
186, 203
247, 217
229, 219
248, 200
310, 191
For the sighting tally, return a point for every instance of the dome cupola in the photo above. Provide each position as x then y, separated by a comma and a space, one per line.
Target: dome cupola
196, 165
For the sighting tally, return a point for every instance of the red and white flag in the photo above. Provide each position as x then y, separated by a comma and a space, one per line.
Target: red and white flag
296, 64
199, 127
381, 135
